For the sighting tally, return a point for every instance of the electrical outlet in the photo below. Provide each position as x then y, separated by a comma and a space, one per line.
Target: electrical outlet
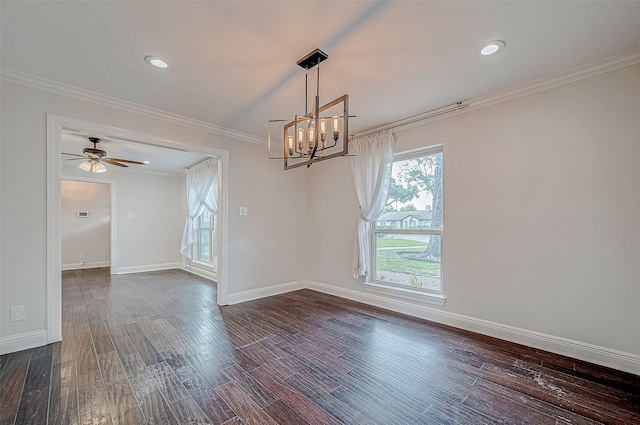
17, 313
244, 211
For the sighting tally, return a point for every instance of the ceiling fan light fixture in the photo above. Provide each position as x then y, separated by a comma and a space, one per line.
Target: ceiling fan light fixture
99, 167
85, 166
93, 159
492, 47
156, 62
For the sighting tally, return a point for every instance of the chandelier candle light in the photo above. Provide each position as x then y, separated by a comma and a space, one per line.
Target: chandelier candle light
305, 138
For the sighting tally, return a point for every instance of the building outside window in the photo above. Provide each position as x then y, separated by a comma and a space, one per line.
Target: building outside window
408, 234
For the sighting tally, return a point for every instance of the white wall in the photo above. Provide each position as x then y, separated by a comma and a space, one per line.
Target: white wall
151, 239
277, 201
86, 241
541, 214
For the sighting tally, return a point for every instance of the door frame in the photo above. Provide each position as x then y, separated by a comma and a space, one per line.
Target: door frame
55, 125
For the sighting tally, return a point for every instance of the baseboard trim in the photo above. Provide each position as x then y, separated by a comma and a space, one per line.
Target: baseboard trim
254, 294
198, 271
608, 357
147, 268
603, 356
23, 341
91, 265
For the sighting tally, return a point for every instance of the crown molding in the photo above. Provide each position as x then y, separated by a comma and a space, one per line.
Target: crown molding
609, 64
18, 77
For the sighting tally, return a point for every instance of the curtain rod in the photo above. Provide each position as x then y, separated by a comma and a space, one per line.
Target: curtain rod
416, 118
200, 162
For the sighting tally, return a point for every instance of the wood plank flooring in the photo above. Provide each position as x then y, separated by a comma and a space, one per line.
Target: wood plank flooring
154, 348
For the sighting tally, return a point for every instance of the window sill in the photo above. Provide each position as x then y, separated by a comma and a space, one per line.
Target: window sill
406, 293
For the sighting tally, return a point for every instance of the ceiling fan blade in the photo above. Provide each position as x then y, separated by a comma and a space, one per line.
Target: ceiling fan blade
128, 161
113, 162
74, 154
75, 159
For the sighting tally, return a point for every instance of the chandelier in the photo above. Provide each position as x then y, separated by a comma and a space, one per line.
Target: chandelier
321, 133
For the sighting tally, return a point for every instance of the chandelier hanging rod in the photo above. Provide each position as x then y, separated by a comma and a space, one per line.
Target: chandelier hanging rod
312, 59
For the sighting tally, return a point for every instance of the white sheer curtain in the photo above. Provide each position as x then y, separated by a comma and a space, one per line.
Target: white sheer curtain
371, 168
202, 191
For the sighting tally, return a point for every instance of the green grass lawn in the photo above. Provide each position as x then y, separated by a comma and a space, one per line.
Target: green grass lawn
393, 242
387, 260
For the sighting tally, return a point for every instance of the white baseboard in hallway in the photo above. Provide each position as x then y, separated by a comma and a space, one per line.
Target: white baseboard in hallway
147, 268
90, 265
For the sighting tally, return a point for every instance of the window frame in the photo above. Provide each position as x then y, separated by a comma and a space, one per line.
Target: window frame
397, 289
197, 260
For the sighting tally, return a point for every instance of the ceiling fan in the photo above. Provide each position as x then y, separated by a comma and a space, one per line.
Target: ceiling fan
95, 158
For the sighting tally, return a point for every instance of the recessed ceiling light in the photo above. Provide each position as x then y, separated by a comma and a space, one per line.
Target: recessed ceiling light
156, 61
492, 48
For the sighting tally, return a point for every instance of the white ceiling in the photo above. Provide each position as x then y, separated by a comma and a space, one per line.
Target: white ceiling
233, 63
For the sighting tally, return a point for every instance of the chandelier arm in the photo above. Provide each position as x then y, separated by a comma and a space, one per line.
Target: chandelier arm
312, 155
335, 142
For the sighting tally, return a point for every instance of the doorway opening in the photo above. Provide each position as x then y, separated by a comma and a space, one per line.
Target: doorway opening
85, 224
56, 127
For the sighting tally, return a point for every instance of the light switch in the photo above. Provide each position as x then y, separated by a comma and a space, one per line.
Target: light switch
131, 215
244, 211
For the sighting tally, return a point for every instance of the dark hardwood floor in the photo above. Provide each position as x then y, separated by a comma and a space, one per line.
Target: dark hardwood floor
154, 348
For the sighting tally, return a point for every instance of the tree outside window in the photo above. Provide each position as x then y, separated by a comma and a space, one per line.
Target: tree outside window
408, 234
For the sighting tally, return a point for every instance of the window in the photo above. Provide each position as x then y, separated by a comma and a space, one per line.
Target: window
204, 248
408, 234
